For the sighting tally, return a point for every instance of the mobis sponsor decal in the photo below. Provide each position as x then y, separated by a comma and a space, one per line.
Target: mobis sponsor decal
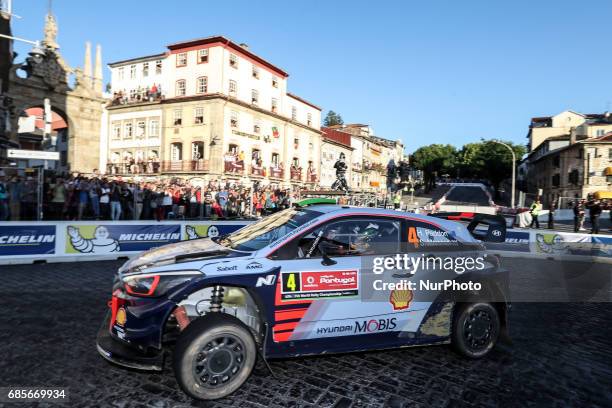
319, 284
27, 240
365, 326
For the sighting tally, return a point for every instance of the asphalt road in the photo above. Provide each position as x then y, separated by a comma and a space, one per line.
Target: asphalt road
466, 195
560, 355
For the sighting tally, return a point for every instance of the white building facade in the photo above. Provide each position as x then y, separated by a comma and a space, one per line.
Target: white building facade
213, 108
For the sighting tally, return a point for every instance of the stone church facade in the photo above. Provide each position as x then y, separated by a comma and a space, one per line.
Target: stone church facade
80, 104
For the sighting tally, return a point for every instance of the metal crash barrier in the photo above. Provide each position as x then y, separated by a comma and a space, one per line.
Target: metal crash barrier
66, 241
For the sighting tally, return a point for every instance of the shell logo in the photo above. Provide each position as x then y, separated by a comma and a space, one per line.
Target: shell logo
121, 317
400, 298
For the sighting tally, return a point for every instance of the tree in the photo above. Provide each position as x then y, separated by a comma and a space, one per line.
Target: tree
434, 160
332, 118
494, 161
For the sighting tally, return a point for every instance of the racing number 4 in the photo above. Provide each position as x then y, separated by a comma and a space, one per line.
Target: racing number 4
413, 237
290, 282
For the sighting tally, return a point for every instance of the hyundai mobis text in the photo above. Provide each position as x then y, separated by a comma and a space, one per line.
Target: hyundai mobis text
304, 281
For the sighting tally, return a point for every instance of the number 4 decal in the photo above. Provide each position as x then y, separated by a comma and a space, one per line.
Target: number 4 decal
413, 237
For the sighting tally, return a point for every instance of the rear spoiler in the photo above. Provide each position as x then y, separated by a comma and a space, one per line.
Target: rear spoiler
485, 227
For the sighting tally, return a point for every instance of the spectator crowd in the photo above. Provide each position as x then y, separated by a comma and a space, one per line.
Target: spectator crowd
80, 197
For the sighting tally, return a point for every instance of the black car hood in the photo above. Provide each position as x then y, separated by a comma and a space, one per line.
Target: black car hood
177, 252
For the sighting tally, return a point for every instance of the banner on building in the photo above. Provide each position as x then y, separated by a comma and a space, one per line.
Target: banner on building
109, 238
27, 240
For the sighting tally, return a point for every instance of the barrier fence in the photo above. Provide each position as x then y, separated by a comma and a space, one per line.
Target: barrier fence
58, 241
27, 242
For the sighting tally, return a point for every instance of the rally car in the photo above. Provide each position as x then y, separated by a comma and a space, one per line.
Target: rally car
302, 282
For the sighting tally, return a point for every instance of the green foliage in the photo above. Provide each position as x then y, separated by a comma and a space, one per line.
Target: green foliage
485, 160
332, 118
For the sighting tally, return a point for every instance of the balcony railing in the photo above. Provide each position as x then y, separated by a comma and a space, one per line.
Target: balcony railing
311, 177
259, 171
277, 172
151, 167
185, 165
233, 165
296, 174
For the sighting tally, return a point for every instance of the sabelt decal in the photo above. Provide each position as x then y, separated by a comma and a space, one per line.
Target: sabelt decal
319, 284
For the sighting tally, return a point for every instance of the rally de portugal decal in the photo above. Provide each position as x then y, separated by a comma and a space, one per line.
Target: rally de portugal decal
319, 284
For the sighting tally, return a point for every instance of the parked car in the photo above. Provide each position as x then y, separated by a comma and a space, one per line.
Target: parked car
298, 282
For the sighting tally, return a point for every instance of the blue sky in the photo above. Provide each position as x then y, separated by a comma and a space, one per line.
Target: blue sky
424, 72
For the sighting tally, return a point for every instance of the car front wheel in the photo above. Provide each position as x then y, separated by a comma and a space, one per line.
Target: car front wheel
214, 356
476, 328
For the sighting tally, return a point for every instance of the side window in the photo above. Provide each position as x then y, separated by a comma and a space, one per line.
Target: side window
419, 236
350, 237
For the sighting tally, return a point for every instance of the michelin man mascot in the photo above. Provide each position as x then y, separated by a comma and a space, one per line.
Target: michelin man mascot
101, 243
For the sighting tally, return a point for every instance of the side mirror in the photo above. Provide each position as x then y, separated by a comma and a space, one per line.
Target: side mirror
327, 261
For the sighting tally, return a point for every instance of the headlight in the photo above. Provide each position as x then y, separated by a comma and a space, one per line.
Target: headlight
156, 284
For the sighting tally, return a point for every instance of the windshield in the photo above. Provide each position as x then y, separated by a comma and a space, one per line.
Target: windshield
262, 233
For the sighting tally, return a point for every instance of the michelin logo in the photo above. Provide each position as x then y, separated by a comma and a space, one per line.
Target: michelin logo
26, 239
101, 243
211, 232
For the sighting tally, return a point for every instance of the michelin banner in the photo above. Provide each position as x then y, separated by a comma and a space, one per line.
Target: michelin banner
112, 238
21, 240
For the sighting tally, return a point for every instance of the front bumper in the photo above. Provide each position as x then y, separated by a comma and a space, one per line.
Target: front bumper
123, 354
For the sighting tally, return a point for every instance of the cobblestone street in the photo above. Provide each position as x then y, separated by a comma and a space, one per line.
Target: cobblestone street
560, 356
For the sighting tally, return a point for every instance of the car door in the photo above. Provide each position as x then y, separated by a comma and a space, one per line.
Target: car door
322, 293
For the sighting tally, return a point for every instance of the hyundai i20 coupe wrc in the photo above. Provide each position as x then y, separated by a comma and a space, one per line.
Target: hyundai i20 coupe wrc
301, 282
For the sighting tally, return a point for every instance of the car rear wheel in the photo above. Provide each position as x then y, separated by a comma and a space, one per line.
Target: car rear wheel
214, 356
476, 328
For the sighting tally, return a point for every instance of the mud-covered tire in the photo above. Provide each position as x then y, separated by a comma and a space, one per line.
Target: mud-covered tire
476, 328
214, 356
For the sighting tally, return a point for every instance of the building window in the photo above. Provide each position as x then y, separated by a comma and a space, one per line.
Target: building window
234, 119
176, 151
145, 69
233, 87
181, 87
254, 97
233, 60
154, 128
158, 67
202, 56
178, 117
274, 104
257, 127
127, 130
116, 130
197, 150
293, 113
181, 59
121, 73
255, 72
132, 71
198, 115
140, 129
309, 119
275, 82
202, 87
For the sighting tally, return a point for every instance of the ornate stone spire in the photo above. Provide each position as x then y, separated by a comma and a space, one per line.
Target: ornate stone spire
87, 63
50, 40
97, 80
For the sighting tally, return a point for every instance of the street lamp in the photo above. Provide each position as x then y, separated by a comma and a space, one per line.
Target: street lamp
513, 167
37, 53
